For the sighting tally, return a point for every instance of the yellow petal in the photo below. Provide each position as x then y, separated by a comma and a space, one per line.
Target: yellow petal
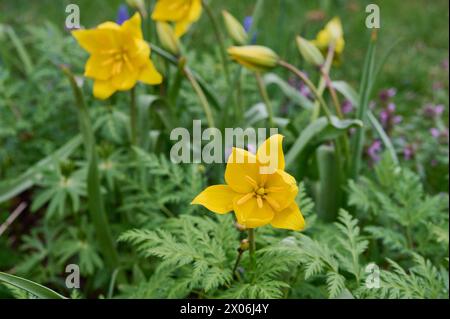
290, 218
132, 26
149, 74
217, 198
181, 27
270, 153
250, 214
282, 188
103, 89
96, 68
109, 25
96, 40
195, 10
242, 168
171, 10
140, 52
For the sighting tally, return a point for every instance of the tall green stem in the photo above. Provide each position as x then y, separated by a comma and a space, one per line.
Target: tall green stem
219, 38
364, 97
265, 97
95, 199
310, 85
252, 248
321, 87
133, 117
201, 96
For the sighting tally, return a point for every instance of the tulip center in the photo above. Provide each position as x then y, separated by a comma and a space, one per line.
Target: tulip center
261, 191
118, 59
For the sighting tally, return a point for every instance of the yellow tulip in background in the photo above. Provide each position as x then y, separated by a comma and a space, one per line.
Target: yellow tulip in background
332, 34
181, 12
257, 199
119, 57
254, 57
234, 28
167, 37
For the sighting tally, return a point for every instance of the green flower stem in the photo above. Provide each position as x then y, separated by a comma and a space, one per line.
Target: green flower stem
133, 117
220, 40
334, 96
343, 141
236, 264
310, 85
95, 199
364, 98
252, 248
321, 88
265, 97
201, 96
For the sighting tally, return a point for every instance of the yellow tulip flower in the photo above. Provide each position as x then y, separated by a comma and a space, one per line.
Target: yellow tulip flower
331, 34
258, 198
119, 57
181, 12
254, 57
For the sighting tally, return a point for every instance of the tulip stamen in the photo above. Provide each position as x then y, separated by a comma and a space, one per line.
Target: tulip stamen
252, 182
259, 201
273, 203
245, 199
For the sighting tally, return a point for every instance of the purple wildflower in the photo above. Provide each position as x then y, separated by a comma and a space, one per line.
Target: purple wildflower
444, 64
433, 111
374, 151
387, 94
248, 21
440, 135
388, 118
300, 87
435, 132
347, 107
408, 152
122, 14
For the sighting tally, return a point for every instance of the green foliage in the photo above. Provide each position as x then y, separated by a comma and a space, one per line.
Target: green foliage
396, 198
394, 215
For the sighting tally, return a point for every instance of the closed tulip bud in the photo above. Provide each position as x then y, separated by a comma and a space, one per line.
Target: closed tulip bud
245, 245
235, 28
138, 5
310, 52
254, 57
169, 40
334, 27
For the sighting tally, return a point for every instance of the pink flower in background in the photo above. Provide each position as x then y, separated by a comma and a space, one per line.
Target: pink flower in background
387, 94
433, 111
347, 107
374, 151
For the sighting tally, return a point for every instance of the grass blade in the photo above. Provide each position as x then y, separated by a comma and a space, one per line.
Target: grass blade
30, 286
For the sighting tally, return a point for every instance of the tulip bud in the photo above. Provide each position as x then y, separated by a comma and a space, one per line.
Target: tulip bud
245, 245
334, 28
310, 52
138, 5
254, 57
166, 35
240, 227
235, 29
